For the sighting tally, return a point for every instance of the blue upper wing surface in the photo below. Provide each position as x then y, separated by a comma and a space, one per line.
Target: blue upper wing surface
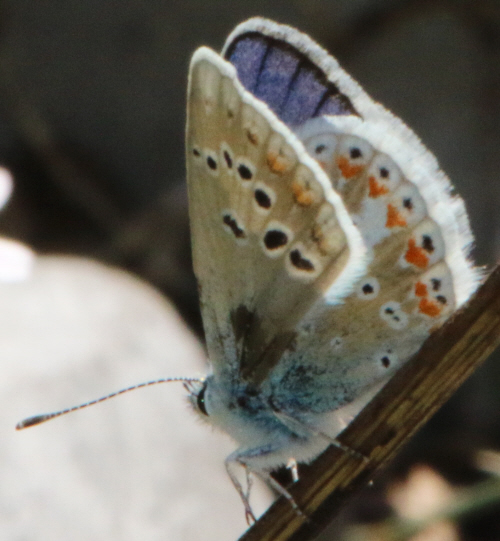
293, 87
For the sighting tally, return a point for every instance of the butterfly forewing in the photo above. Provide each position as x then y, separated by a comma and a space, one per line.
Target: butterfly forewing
269, 234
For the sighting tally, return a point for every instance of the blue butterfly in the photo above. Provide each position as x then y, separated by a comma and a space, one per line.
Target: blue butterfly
326, 244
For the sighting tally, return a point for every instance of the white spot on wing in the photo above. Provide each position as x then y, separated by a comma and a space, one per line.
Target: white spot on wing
392, 314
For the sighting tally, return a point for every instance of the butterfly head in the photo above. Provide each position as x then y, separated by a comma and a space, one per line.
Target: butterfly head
239, 410
196, 397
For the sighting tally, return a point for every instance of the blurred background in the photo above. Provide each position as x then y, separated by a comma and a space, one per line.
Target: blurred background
98, 291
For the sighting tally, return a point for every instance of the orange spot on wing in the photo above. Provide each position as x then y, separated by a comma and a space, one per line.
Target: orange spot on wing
416, 255
394, 218
347, 169
420, 289
376, 189
303, 196
429, 307
278, 163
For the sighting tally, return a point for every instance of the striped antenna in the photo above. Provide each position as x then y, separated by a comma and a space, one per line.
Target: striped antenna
37, 419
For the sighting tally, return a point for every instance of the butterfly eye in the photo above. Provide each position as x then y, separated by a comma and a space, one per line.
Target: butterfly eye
200, 401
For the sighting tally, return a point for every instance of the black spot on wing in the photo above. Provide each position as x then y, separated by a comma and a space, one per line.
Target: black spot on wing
355, 152
427, 243
274, 238
233, 225
262, 199
300, 262
244, 172
408, 203
211, 163
436, 284
229, 160
367, 289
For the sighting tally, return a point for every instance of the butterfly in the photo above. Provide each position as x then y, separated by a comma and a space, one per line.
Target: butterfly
326, 244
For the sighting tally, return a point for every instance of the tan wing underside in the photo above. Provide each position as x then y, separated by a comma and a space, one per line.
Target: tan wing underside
266, 241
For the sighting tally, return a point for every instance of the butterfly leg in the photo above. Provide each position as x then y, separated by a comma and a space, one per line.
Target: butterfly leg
243, 458
231, 461
249, 481
268, 478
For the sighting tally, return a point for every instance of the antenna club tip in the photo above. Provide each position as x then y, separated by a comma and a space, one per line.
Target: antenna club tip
32, 421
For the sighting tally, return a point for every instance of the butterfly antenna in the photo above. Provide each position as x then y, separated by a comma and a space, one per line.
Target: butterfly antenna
37, 419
